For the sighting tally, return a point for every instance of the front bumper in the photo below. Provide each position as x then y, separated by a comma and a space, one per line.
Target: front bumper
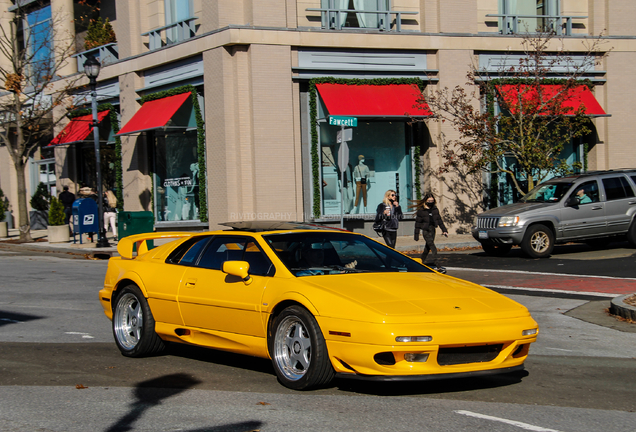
397, 378
497, 236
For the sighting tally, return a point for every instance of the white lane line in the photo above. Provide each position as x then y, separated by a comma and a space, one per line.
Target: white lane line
559, 349
537, 273
521, 425
590, 293
84, 335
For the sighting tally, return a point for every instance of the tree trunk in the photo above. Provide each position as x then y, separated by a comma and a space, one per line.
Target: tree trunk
23, 214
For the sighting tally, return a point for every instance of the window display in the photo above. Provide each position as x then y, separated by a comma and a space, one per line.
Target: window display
176, 177
379, 159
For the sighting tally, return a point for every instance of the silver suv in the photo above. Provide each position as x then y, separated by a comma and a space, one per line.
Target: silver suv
593, 207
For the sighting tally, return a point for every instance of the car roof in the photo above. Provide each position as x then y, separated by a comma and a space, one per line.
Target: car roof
593, 173
260, 226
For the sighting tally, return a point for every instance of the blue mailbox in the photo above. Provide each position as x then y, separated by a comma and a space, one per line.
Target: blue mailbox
85, 218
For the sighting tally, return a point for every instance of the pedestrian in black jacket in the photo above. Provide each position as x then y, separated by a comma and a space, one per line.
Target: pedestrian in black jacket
389, 213
67, 198
427, 219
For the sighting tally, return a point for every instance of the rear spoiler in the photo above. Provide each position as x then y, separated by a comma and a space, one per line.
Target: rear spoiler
125, 245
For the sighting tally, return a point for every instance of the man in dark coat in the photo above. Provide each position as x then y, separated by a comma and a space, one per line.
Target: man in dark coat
67, 198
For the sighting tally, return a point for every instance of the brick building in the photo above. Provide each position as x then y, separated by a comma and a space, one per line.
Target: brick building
224, 105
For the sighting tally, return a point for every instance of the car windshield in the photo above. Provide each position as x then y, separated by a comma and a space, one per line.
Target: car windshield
325, 253
548, 192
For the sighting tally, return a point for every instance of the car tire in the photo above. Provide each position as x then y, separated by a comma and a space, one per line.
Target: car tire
298, 350
538, 242
496, 250
134, 325
631, 234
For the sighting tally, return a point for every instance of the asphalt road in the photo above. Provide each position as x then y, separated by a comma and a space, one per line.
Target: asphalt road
60, 370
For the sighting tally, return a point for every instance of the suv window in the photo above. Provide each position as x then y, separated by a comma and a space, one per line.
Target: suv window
547, 192
617, 188
587, 192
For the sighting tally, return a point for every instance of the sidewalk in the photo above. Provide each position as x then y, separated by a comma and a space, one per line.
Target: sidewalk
404, 244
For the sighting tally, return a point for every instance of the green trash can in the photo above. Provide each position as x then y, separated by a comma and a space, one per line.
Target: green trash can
139, 222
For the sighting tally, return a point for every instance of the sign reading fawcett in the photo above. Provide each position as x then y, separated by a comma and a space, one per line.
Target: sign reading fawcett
343, 121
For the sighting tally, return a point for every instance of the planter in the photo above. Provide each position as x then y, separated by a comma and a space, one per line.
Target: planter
4, 231
39, 219
59, 234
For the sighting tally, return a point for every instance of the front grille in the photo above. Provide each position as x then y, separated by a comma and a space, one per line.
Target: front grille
487, 222
468, 354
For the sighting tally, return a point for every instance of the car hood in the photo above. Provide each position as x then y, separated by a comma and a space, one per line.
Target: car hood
514, 209
412, 297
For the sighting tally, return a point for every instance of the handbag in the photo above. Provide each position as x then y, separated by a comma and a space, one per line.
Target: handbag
378, 227
363, 180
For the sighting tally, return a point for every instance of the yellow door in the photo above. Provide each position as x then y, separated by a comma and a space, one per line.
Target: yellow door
211, 299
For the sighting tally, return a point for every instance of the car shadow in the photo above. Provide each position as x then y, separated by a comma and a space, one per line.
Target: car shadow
441, 386
223, 358
151, 393
16, 318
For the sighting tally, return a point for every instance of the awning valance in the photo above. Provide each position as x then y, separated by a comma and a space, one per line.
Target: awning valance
393, 100
154, 114
78, 129
514, 94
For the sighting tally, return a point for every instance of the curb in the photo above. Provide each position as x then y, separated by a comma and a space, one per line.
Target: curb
620, 308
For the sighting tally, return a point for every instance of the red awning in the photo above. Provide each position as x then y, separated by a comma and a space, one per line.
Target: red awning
576, 96
154, 114
78, 129
394, 100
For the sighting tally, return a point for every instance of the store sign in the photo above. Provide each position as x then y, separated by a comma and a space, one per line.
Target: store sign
343, 121
177, 182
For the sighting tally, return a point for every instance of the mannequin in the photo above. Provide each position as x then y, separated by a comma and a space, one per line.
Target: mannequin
361, 176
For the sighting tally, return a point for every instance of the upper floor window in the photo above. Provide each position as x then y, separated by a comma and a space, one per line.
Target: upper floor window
529, 16
176, 11
356, 13
38, 43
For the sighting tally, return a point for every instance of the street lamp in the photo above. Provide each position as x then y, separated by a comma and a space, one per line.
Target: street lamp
91, 69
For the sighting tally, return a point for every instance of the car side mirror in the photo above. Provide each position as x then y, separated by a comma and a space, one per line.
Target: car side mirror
239, 269
573, 201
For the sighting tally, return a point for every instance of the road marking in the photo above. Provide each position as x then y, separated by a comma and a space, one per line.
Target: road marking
559, 349
537, 273
521, 425
543, 290
84, 335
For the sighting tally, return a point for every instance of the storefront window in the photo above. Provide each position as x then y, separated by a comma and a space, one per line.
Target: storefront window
176, 177
379, 159
86, 175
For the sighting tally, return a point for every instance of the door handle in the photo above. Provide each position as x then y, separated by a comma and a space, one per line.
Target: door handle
597, 208
190, 283
631, 202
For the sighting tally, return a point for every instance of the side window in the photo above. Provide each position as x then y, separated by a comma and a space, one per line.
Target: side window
617, 188
187, 252
587, 192
227, 248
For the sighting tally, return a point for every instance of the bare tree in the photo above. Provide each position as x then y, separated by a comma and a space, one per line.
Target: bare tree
34, 50
525, 112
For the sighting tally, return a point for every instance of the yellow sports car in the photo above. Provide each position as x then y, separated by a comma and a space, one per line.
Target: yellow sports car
319, 302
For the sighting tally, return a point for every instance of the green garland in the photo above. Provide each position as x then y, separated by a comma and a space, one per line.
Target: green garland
418, 172
114, 125
203, 201
313, 118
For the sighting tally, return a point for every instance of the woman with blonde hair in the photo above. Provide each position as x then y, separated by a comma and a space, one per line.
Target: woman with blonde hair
387, 216
110, 212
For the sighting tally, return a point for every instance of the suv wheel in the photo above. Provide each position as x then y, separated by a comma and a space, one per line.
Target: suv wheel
538, 242
631, 234
496, 250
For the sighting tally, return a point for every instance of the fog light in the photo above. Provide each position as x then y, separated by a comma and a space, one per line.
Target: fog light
529, 332
414, 338
413, 357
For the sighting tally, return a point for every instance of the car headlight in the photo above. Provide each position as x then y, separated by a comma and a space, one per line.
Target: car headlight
508, 221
